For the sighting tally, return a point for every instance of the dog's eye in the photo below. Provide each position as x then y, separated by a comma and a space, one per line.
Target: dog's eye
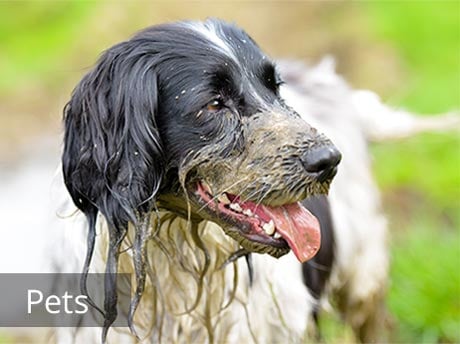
215, 105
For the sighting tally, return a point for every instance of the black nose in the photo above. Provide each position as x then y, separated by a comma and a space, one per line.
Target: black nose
322, 162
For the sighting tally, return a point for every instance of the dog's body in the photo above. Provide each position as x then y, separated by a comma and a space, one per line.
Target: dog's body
162, 138
358, 278
181, 125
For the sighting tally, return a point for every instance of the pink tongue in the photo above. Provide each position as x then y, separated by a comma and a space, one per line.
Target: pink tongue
298, 227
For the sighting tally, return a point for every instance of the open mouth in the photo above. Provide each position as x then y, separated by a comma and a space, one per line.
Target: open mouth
262, 228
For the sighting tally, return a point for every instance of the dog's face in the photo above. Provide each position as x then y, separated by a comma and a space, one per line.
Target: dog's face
188, 117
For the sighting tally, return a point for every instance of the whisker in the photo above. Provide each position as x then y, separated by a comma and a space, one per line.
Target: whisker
265, 195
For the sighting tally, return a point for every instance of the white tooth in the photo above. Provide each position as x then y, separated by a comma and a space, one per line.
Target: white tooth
248, 212
206, 187
236, 207
223, 199
269, 228
277, 235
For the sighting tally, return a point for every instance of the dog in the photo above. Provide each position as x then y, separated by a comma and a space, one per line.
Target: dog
193, 162
175, 132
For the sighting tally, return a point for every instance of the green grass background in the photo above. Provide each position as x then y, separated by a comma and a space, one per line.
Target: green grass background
409, 51
425, 288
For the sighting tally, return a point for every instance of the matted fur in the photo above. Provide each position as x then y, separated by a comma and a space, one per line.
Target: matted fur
229, 309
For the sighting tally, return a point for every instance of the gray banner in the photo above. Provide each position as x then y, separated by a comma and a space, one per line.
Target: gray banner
55, 300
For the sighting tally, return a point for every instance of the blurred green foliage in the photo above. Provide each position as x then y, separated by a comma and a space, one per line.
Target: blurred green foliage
419, 177
427, 35
424, 296
33, 37
425, 284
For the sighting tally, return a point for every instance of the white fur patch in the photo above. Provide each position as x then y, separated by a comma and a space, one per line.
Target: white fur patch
212, 33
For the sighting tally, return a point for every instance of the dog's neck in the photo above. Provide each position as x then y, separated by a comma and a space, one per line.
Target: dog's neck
228, 309
187, 289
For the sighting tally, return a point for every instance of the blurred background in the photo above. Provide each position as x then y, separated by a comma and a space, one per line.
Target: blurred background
408, 52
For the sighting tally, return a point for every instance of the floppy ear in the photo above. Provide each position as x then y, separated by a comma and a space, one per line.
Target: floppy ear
112, 158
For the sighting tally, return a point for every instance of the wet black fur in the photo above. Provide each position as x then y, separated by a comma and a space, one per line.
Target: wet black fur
132, 120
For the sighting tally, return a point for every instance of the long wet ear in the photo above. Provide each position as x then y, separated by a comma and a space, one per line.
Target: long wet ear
112, 159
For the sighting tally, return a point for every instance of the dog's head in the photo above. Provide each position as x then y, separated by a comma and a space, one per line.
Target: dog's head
188, 117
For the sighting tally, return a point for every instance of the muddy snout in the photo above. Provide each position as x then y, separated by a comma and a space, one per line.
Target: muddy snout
321, 162
286, 146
